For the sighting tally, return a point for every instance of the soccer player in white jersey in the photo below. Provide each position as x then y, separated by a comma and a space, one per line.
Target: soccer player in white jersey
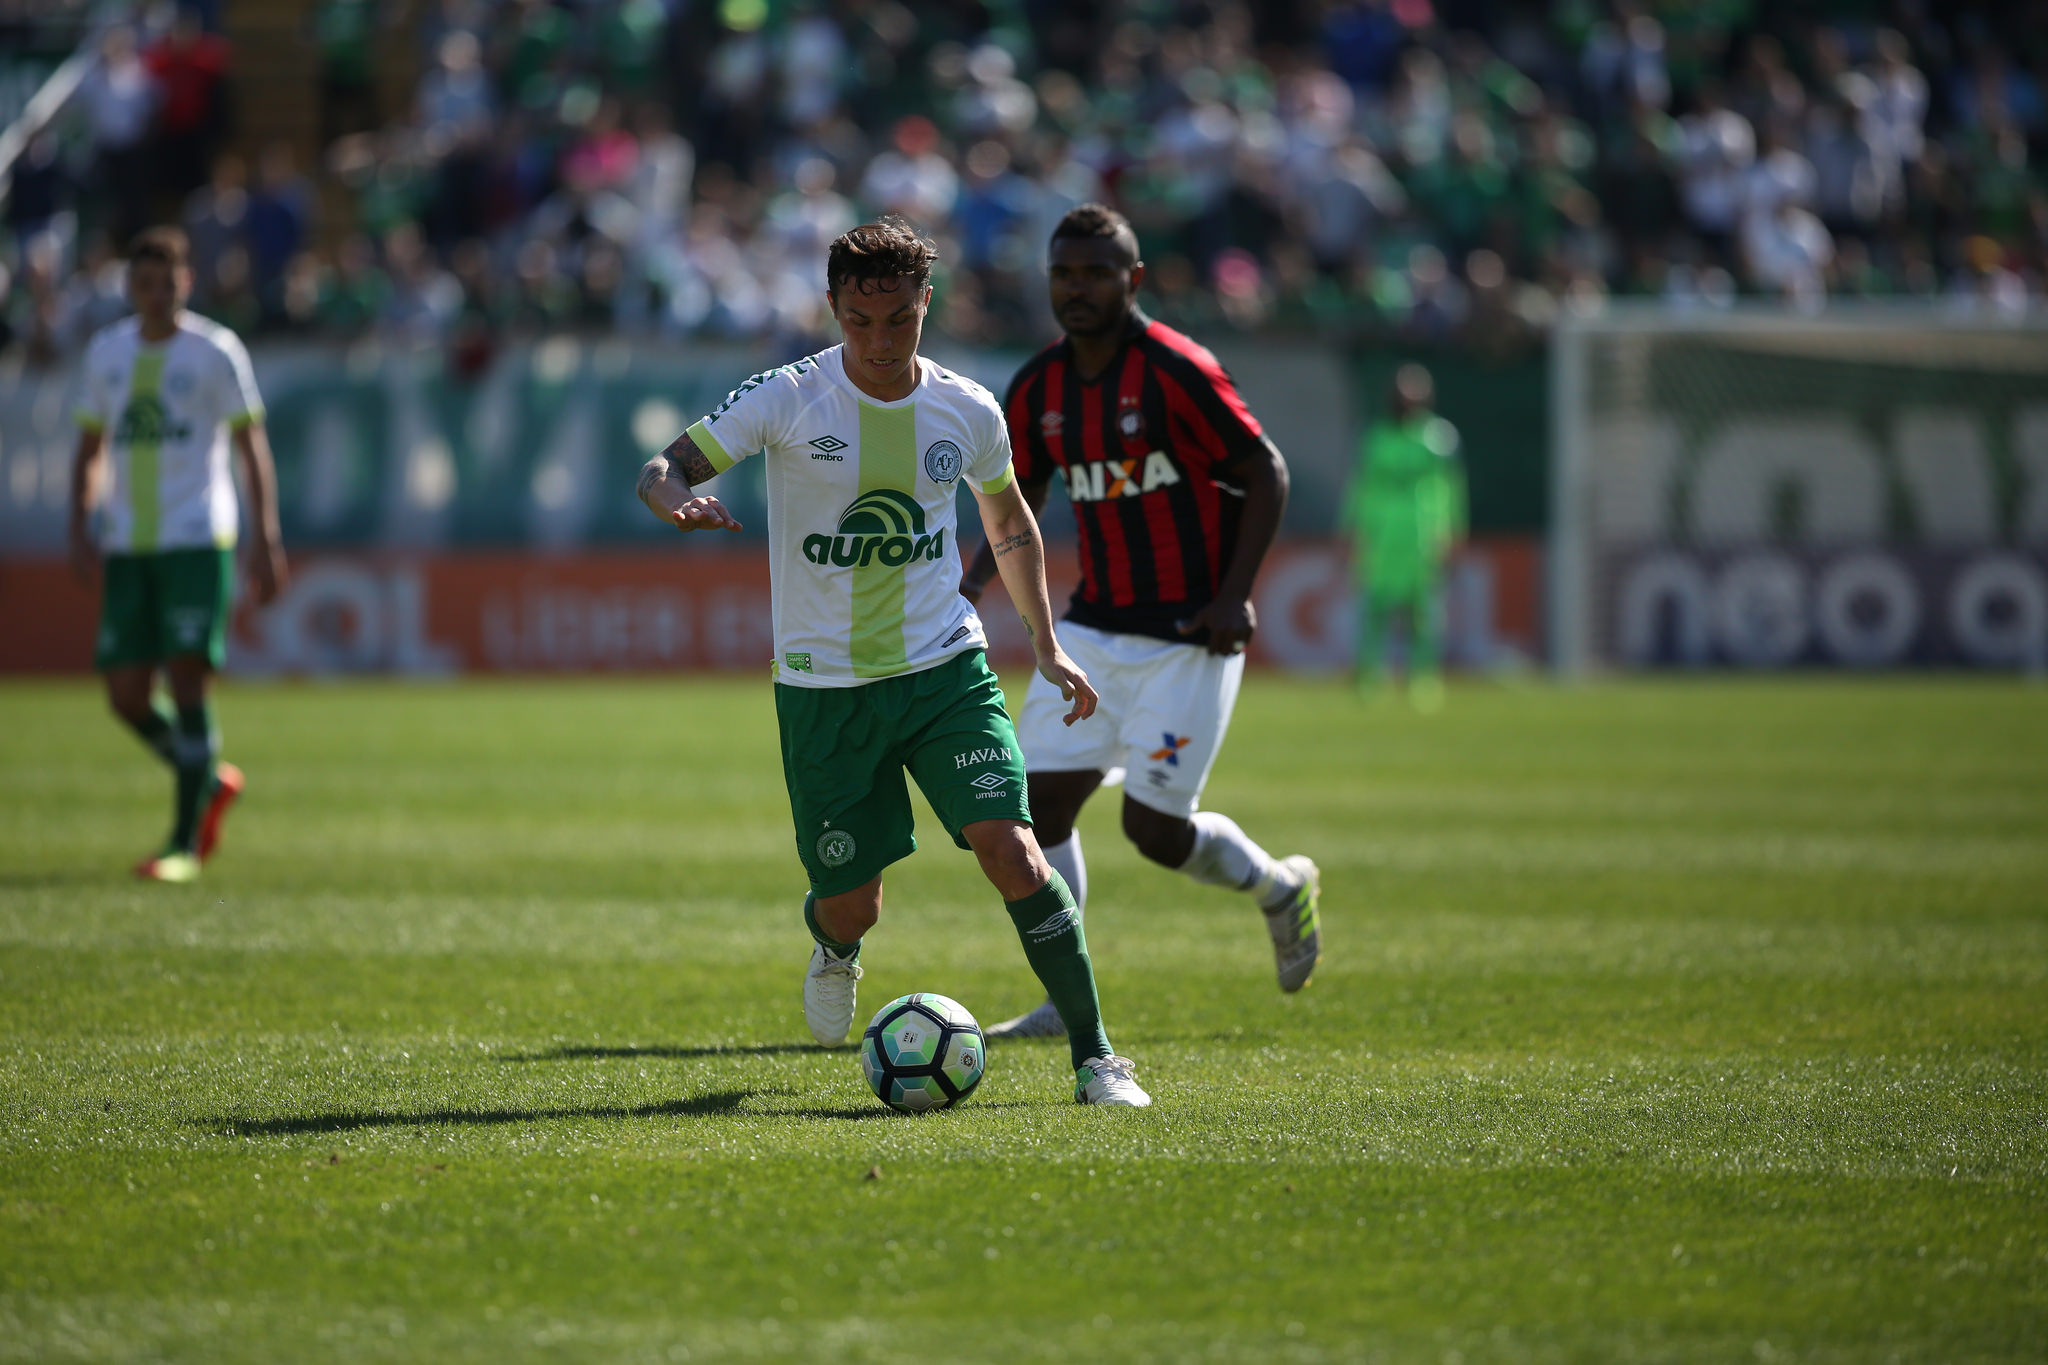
880, 663
1177, 494
153, 517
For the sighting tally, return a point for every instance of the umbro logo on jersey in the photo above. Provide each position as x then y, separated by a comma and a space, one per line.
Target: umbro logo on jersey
1052, 422
958, 635
827, 448
1100, 480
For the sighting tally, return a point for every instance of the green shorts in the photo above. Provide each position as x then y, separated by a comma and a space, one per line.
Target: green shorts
844, 750
155, 606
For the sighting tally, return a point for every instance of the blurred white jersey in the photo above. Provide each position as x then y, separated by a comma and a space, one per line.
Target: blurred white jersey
166, 408
862, 532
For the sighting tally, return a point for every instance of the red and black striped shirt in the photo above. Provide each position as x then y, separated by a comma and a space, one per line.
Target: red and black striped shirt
1146, 449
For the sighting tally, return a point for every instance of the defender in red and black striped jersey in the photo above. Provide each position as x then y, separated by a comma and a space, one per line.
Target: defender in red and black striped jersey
1156, 452
1178, 494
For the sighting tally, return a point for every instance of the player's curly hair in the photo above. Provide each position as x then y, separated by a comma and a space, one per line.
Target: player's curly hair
889, 249
164, 245
1099, 220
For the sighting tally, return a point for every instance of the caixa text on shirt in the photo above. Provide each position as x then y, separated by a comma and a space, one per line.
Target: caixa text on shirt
1102, 479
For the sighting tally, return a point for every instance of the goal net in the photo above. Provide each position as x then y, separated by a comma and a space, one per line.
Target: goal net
1862, 488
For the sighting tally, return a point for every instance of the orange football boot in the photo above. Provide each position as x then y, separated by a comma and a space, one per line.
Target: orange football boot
169, 866
227, 785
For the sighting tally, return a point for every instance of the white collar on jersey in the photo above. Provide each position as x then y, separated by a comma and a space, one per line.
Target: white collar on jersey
837, 369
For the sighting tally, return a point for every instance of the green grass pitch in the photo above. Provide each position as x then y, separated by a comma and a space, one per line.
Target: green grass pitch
1689, 1021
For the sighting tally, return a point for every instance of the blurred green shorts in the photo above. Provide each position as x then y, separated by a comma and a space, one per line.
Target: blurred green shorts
159, 605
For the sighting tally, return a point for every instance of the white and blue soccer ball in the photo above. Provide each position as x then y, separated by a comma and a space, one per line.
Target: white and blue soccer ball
922, 1051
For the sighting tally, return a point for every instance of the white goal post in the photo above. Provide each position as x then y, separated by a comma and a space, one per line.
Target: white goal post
1863, 487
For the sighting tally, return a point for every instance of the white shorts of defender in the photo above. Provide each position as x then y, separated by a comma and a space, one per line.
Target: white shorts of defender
1165, 709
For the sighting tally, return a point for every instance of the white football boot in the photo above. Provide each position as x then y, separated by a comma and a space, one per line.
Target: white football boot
829, 990
1043, 1022
1296, 929
1110, 1081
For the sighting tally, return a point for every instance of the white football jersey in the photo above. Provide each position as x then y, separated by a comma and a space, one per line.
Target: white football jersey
166, 408
863, 541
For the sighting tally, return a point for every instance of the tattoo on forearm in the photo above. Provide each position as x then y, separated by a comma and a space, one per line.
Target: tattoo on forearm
651, 473
688, 462
1016, 542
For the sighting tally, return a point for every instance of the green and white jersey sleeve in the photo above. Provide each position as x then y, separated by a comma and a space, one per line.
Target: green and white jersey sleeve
167, 408
863, 537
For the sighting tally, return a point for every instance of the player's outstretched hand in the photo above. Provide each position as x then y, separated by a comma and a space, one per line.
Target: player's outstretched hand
1231, 622
703, 514
1066, 675
85, 555
268, 572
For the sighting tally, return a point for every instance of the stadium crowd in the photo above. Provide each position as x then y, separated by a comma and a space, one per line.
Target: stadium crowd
1426, 168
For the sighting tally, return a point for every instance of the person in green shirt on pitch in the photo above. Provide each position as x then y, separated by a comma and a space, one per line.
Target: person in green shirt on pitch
1404, 512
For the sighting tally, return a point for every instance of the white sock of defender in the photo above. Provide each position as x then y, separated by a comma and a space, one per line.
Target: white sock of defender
1225, 855
1067, 861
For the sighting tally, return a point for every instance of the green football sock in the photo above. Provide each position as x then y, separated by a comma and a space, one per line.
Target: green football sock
1372, 640
193, 749
1426, 632
846, 951
154, 730
1049, 924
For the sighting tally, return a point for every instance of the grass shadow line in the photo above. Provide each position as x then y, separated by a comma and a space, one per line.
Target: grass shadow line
878, 1111
570, 1054
698, 1106
61, 877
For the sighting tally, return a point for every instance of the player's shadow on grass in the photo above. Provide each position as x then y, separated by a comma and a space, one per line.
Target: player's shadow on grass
698, 1106
875, 1111
37, 881
575, 1054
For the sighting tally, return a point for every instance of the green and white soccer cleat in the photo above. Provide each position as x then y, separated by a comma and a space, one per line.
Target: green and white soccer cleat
1043, 1022
172, 865
829, 990
1111, 1081
1296, 928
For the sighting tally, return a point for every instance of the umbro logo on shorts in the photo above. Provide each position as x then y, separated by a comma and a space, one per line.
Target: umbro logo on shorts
190, 623
991, 784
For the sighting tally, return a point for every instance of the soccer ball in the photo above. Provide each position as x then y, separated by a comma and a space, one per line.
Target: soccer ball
922, 1051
